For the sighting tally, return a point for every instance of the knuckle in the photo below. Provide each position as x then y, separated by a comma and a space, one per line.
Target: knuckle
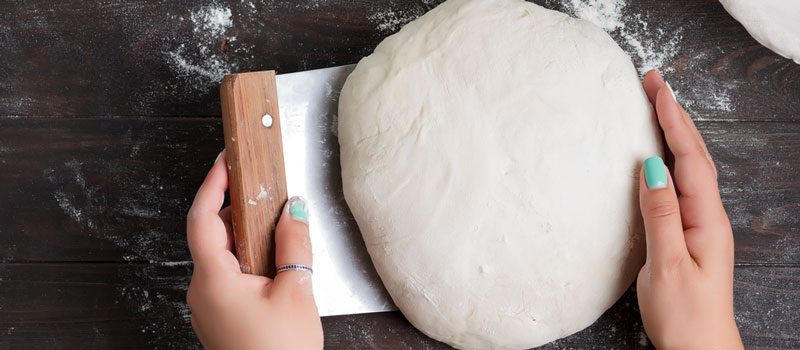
191, 215
662, 209
668, 268
714, 169
726, 241
642, 277
699, 148
190, 297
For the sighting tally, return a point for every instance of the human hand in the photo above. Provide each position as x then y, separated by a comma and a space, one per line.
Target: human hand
685, 287
234, 310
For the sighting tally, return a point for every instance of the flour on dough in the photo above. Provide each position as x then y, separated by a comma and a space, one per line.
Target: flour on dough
773, 23
490, 154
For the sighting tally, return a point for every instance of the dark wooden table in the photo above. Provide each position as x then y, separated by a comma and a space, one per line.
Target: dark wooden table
109, 121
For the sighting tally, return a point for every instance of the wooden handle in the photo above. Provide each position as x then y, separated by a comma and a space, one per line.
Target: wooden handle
255, 166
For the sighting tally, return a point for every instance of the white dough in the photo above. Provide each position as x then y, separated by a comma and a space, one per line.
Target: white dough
773, 23
490, 155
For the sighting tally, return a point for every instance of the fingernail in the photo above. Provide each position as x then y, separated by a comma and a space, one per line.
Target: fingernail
655, 173
671, 92
219, 156
298, 209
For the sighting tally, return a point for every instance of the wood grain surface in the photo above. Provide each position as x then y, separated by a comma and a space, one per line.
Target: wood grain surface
109, 120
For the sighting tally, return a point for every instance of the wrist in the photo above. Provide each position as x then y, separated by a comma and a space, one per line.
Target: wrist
722, 337
727, 338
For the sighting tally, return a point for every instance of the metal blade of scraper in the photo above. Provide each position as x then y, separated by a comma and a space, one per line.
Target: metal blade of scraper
345, 281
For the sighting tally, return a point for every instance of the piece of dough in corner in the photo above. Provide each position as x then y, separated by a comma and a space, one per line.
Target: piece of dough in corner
490, 154
773, 23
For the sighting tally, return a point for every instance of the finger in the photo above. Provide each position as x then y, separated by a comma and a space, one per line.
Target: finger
694, 176
712, 242
661, 213
209, 198
293, 247
205, 230
225, 215
653, 81
689, 122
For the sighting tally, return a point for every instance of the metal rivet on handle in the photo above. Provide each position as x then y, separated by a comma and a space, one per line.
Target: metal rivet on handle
266, 120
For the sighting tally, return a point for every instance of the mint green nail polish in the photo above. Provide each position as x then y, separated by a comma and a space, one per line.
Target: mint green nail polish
655, 173
297, 209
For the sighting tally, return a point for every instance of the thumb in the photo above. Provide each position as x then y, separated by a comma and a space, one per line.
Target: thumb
662, 217
293, 247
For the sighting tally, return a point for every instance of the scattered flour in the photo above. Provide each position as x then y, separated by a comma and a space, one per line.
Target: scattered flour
643, 339
202, 62
392, 20
262, 195
654, 47
86, 203
172, 263
767, 303
65, 203
148, 245
210, 70
163, 306
250, 6
68, 204
311, 4
632, 31
702, 92
212, 20
136, 209
604, 13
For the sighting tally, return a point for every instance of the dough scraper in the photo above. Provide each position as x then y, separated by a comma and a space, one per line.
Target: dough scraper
281, 138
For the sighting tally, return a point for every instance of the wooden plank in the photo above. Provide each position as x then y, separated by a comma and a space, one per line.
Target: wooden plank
101, 190
98, 189
758, 166
142, 306
766, 301
167, 57
719, 72
72, 306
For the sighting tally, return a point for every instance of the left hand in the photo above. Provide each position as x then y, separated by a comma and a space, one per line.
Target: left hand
234, 310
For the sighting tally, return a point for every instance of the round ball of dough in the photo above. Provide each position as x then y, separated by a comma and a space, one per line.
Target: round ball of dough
490, 154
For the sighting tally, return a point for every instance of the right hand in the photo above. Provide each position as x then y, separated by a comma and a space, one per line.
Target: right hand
685, 288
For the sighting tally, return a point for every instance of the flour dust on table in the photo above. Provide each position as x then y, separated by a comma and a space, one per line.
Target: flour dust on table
648, 42
490, 154
198, 60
